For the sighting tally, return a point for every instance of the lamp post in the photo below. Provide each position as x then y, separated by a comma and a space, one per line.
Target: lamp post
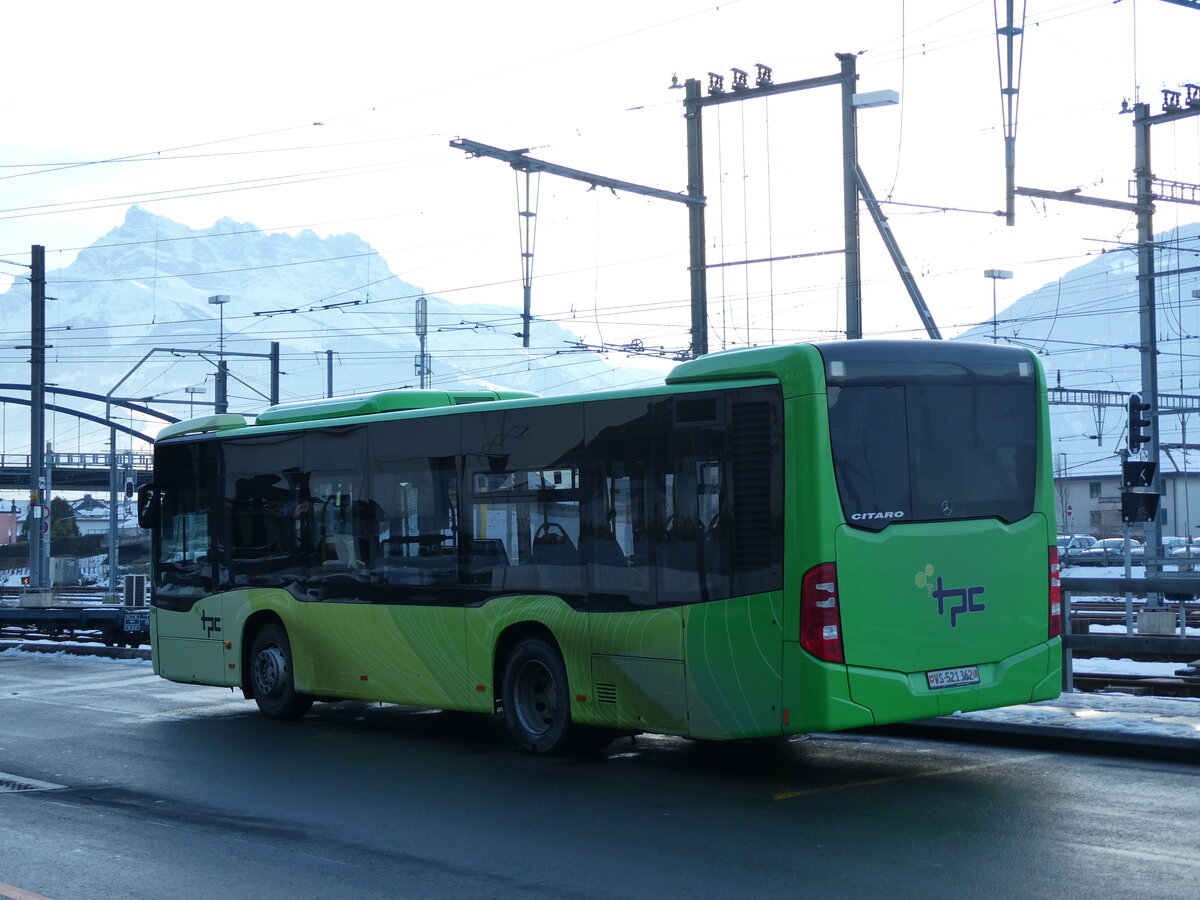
221, 405
192, 392
995, 275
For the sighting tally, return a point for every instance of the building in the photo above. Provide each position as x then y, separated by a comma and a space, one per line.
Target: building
10, 524
1091, 504
91, 515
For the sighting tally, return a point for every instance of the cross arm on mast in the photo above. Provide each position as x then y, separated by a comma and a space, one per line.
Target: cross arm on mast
519, 160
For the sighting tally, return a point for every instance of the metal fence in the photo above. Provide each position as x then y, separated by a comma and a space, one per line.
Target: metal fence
1174, 600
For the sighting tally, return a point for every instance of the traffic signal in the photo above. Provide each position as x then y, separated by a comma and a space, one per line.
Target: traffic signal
1137, 425
1138, 506
1137, 474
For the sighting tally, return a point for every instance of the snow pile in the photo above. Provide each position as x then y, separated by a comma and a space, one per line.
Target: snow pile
1116, 714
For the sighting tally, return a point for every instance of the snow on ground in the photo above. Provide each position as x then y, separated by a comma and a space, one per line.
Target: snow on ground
1113, 714
63, 655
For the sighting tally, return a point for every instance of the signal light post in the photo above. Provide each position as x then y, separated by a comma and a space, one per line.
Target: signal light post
1139, 500
1137, 425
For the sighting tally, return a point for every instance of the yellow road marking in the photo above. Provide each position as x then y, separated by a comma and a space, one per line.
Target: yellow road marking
953, 770
15, 893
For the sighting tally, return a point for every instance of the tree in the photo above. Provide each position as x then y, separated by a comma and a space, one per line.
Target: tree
62, 519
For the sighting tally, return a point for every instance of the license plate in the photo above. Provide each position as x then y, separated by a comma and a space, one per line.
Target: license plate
944, 678
137, 620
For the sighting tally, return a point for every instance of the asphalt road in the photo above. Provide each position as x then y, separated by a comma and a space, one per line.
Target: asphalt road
173, 791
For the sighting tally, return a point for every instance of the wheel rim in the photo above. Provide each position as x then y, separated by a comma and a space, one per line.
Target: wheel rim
270, 667
536, 697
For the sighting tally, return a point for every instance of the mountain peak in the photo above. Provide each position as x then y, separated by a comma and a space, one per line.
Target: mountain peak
147, 283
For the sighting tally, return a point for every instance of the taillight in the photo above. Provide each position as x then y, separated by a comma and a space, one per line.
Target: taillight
1055, 626
820, 617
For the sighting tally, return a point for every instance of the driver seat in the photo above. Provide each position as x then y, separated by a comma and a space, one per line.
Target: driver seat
553, 548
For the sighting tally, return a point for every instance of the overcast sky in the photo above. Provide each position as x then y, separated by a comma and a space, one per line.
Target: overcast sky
337, 117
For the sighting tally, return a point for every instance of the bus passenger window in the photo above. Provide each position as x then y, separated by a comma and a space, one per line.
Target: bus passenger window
534, 514
416, 530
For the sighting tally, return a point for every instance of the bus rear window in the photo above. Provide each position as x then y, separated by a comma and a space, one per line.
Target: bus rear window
929, 452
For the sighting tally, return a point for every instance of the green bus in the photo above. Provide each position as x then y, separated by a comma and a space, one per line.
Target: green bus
774, 541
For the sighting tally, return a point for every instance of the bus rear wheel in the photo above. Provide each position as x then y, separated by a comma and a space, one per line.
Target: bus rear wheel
271, 673
537, 704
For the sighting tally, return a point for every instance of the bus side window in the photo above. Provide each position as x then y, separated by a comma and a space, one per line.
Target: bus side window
522, 488
266, 504
692, 563
415, 523
614, 533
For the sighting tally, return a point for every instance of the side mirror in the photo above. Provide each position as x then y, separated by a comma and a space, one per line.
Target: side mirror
149, 506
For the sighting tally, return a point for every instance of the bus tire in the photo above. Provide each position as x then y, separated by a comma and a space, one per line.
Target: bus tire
536, 699
271, 668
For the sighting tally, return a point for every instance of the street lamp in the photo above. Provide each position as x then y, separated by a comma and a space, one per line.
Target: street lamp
192, 392
219, 300
221, 405
995, 275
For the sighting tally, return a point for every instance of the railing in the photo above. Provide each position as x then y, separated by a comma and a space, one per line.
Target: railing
1176, 590
125, 460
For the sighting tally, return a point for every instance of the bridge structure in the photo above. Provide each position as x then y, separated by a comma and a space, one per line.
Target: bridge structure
83, 471
77, 471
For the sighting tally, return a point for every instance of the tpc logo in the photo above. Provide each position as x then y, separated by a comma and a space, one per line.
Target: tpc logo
939, 592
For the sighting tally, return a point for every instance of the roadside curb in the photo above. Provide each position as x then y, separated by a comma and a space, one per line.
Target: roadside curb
1083, 740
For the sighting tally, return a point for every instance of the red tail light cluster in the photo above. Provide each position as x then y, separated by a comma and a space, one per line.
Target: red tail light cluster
820, 614
1055, 626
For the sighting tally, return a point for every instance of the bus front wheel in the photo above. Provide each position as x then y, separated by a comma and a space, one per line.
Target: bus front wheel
271, 671
537, 705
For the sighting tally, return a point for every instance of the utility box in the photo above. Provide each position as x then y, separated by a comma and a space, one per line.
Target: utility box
64, 571
135, 590
1156, 621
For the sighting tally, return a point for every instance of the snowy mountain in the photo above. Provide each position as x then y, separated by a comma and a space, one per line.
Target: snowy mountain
147, 284
1086, 328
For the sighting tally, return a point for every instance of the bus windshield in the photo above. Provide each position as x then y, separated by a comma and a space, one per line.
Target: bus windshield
949, 442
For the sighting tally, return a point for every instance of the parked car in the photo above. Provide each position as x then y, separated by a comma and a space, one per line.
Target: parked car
1183, 551
1070, 545
1171, 543
1109, 552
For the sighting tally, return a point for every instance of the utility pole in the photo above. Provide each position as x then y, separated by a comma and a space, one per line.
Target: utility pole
38, 499
1148, 317
274, 358
697, 271
528, 238
853, 181
1010, 93
850, 198
222, 398
1147, 189
423, 364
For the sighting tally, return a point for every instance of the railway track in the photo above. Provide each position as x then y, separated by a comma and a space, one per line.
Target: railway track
1146, 685
1112, 611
